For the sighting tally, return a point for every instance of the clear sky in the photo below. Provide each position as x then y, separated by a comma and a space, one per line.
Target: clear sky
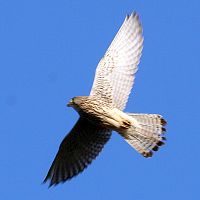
48, 53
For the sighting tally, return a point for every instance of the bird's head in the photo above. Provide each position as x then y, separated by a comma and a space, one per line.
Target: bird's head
76, 102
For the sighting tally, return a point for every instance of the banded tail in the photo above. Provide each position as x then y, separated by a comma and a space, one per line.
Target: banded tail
147, 135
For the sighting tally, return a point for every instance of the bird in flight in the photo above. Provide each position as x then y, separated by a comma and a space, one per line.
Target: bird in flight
102, 111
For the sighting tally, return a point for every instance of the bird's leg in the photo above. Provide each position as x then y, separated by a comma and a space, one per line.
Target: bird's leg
126, 124
121, 118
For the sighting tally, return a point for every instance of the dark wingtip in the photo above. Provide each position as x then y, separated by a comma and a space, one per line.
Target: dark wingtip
48, 178
133, 14
164, 138
163, 129
51, 184
45, 180
163, 122
160, 143
155, 148
147, 154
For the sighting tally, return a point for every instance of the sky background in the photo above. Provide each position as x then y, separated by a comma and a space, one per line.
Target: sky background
48, 53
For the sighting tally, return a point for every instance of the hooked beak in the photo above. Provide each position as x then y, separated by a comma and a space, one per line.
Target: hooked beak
70, 103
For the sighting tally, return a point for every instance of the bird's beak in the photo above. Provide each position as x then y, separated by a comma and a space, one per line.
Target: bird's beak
70, 103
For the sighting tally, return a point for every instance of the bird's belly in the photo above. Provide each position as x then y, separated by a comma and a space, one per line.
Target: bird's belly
111, 118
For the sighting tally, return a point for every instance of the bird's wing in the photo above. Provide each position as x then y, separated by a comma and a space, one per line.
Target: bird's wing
115, 72
77, 150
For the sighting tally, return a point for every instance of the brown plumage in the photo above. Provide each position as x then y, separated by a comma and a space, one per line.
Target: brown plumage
102, 111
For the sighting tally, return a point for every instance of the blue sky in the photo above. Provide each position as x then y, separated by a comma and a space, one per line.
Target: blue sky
48, 53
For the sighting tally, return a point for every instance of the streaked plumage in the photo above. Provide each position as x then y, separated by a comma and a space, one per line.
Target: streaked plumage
102, 111
115, 72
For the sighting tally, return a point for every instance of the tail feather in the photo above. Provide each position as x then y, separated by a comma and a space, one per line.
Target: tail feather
147, 136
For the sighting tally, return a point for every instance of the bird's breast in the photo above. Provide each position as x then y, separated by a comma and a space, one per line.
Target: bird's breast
108, 117
112, 118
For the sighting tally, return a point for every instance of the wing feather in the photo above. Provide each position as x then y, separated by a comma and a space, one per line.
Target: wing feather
77, 150
115, 72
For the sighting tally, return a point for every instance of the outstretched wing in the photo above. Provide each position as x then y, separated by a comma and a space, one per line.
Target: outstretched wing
115, 72
77, 150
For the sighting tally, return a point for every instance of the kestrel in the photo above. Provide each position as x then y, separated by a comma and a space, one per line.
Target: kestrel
102, 111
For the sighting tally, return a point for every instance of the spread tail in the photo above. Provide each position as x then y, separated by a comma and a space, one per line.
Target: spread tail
147, 135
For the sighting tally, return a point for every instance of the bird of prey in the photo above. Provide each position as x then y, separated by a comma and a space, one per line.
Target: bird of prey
102, 111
